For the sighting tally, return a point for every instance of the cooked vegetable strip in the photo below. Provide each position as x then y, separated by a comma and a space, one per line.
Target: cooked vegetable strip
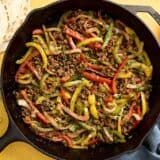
114, 88
42, 42
92, 102
144, 104
108, 35
80, 83
76, 93
116, 50
74, 115
38, 113
88, 41
20, 61
41, 51
33, 70
96, 78
73, 34
140, 66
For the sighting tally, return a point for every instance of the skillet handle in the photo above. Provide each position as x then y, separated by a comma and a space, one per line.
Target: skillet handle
12, 134
134, 9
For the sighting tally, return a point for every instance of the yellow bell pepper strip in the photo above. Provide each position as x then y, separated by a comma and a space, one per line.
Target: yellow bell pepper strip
92, 102
116, 49
140, 66
30, 103
123, 75
74, 115
33, 70
144, 104
96, 78
20, 61
25, 79
114, 88
108, 35
139, 44
42, 43
146, 58
46, 34
89, 40
130, 31
41, 51
119, 129
53, 29
76, 93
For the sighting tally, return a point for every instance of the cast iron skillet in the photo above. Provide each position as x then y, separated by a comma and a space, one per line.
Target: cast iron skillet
19, 131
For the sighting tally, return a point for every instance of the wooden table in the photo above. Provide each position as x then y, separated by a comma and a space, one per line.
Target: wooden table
23, 151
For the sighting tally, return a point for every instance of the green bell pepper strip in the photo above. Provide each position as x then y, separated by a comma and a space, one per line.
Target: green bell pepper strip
63, 17
46, 34
86, 126
42, 43
86, 140
144, 104
38, 128
89, 40
20, 61
116, 49
76, 93
42, 52
119, 135
72, 83
108, 35
40, 99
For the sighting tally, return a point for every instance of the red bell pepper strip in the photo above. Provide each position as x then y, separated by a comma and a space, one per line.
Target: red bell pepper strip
38, 113
33, 70
73, 34
71, 42
131, 110
114, 88
74, 115
62, 92
94, 66
37, 31
23, 65
67, 139
82, 58
96, 78
80, 37
65, 79
109, 99
93, 141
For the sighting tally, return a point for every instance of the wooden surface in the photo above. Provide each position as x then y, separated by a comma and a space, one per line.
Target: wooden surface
23, 151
